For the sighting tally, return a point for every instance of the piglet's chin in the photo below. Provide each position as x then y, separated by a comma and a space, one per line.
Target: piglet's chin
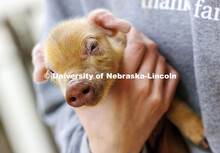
79, 94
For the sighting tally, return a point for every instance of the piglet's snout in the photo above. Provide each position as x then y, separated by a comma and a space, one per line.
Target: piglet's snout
78, 94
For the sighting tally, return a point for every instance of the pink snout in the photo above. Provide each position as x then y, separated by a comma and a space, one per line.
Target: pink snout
78, 94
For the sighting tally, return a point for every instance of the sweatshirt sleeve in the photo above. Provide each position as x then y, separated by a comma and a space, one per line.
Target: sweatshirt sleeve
56, 11
206, 45
68, 131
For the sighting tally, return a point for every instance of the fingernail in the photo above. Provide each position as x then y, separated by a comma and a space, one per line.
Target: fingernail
127, 26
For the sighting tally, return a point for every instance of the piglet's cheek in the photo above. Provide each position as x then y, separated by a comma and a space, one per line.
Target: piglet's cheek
83, 56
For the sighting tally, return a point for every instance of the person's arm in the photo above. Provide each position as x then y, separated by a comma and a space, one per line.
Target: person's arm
69, 133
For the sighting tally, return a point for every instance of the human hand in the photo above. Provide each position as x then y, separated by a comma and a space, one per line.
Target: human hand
124, 120
39, 63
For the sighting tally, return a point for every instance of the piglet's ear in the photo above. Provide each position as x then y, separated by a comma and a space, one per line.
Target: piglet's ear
39, 63
109, 22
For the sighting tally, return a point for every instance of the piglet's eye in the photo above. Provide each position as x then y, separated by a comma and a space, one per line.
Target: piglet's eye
93, 46
51, 71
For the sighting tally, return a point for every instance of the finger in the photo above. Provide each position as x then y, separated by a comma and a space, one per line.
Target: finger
39, 63
158, 83
109, 21
134, 52
170, 85
112, 22
150, 58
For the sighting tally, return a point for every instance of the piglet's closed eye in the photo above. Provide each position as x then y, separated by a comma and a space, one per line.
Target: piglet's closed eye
92, 47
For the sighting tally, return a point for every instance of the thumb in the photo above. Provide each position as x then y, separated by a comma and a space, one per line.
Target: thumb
39, 63
108, 21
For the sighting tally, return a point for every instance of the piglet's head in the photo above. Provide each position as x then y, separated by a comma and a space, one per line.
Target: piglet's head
79, 47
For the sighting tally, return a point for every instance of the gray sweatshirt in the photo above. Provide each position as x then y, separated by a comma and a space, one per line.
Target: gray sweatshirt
187, 34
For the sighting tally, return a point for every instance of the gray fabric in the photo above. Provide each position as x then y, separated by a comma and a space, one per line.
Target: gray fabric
190, 44
206, 49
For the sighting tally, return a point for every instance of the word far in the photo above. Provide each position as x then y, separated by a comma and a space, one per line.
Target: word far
206, 11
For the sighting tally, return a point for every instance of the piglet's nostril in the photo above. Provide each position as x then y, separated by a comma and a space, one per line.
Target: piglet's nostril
85, 91
78, 94
72, 99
